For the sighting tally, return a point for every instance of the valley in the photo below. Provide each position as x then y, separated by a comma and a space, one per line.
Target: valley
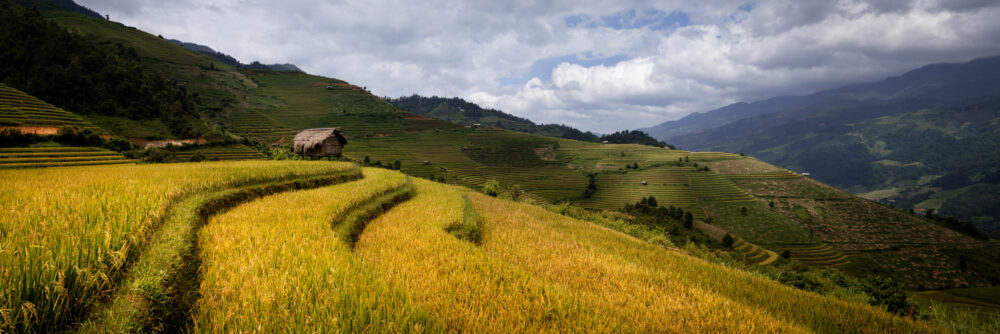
441, 214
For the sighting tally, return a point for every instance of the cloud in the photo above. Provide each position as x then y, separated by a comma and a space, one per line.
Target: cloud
596, 65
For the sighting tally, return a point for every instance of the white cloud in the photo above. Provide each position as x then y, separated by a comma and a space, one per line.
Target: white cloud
472, 49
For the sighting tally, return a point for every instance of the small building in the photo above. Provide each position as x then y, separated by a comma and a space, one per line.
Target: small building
645, 183
320, 142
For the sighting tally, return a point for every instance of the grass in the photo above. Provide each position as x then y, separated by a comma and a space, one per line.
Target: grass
270, 268
69, 232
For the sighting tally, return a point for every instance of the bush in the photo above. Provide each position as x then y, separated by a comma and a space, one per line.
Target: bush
887, 292
492, 187
197, 157
727, 241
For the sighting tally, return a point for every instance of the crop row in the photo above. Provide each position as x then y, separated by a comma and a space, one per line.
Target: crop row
293, 260
56, 157
753, 253
75, 228
819, 255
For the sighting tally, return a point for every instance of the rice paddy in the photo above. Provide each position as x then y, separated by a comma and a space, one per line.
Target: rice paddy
67, 233
59, 156
20, 109
280, 263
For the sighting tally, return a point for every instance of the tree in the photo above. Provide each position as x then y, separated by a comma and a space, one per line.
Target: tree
886, 292
727, 241
743, 211
368, 160
652, 202
688, 220
771, 204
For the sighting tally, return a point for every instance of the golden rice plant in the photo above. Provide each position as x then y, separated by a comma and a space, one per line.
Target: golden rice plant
276, 265
660, 290
462, 286
65, 233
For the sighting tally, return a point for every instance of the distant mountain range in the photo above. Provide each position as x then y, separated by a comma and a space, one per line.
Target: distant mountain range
229, 60
928, 139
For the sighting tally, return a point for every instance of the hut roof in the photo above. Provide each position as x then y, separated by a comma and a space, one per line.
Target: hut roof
311, 138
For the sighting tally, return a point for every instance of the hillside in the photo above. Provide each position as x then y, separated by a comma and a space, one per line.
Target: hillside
769, 210
273, 105
28, 114
466, 113
386, 262
936, 152
100, 80
229, 60
818, 224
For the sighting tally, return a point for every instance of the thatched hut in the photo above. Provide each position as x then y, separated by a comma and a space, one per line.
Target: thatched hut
320, 142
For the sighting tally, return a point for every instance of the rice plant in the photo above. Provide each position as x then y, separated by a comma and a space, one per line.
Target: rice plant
275, 265
66, 233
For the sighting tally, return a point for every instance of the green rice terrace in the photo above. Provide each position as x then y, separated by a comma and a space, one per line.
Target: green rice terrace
58, 156
20, 109
220, 153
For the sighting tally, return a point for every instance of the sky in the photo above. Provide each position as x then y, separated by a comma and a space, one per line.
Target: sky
601, 66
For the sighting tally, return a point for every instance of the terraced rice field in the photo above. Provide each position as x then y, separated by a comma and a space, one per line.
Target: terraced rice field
270, 266
255, 124
68, 233
765, 176
19, 108
817, 255
669, 185
753, 253
35, 157
221, 153
709, 186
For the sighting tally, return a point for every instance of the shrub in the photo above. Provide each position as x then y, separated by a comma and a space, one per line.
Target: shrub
197, 157
727, 241
492, 187
887, 292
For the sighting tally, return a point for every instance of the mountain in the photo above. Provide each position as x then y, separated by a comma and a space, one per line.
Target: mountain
462, 112
927, 139
99, 80
229, 60
934, 83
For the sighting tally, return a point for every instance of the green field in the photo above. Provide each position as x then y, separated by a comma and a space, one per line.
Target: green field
58, 156
20, 109
211, 153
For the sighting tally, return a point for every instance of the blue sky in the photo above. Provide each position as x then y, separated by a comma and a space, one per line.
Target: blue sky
597, 65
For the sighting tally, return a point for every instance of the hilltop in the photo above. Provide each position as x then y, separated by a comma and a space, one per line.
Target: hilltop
466, 113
